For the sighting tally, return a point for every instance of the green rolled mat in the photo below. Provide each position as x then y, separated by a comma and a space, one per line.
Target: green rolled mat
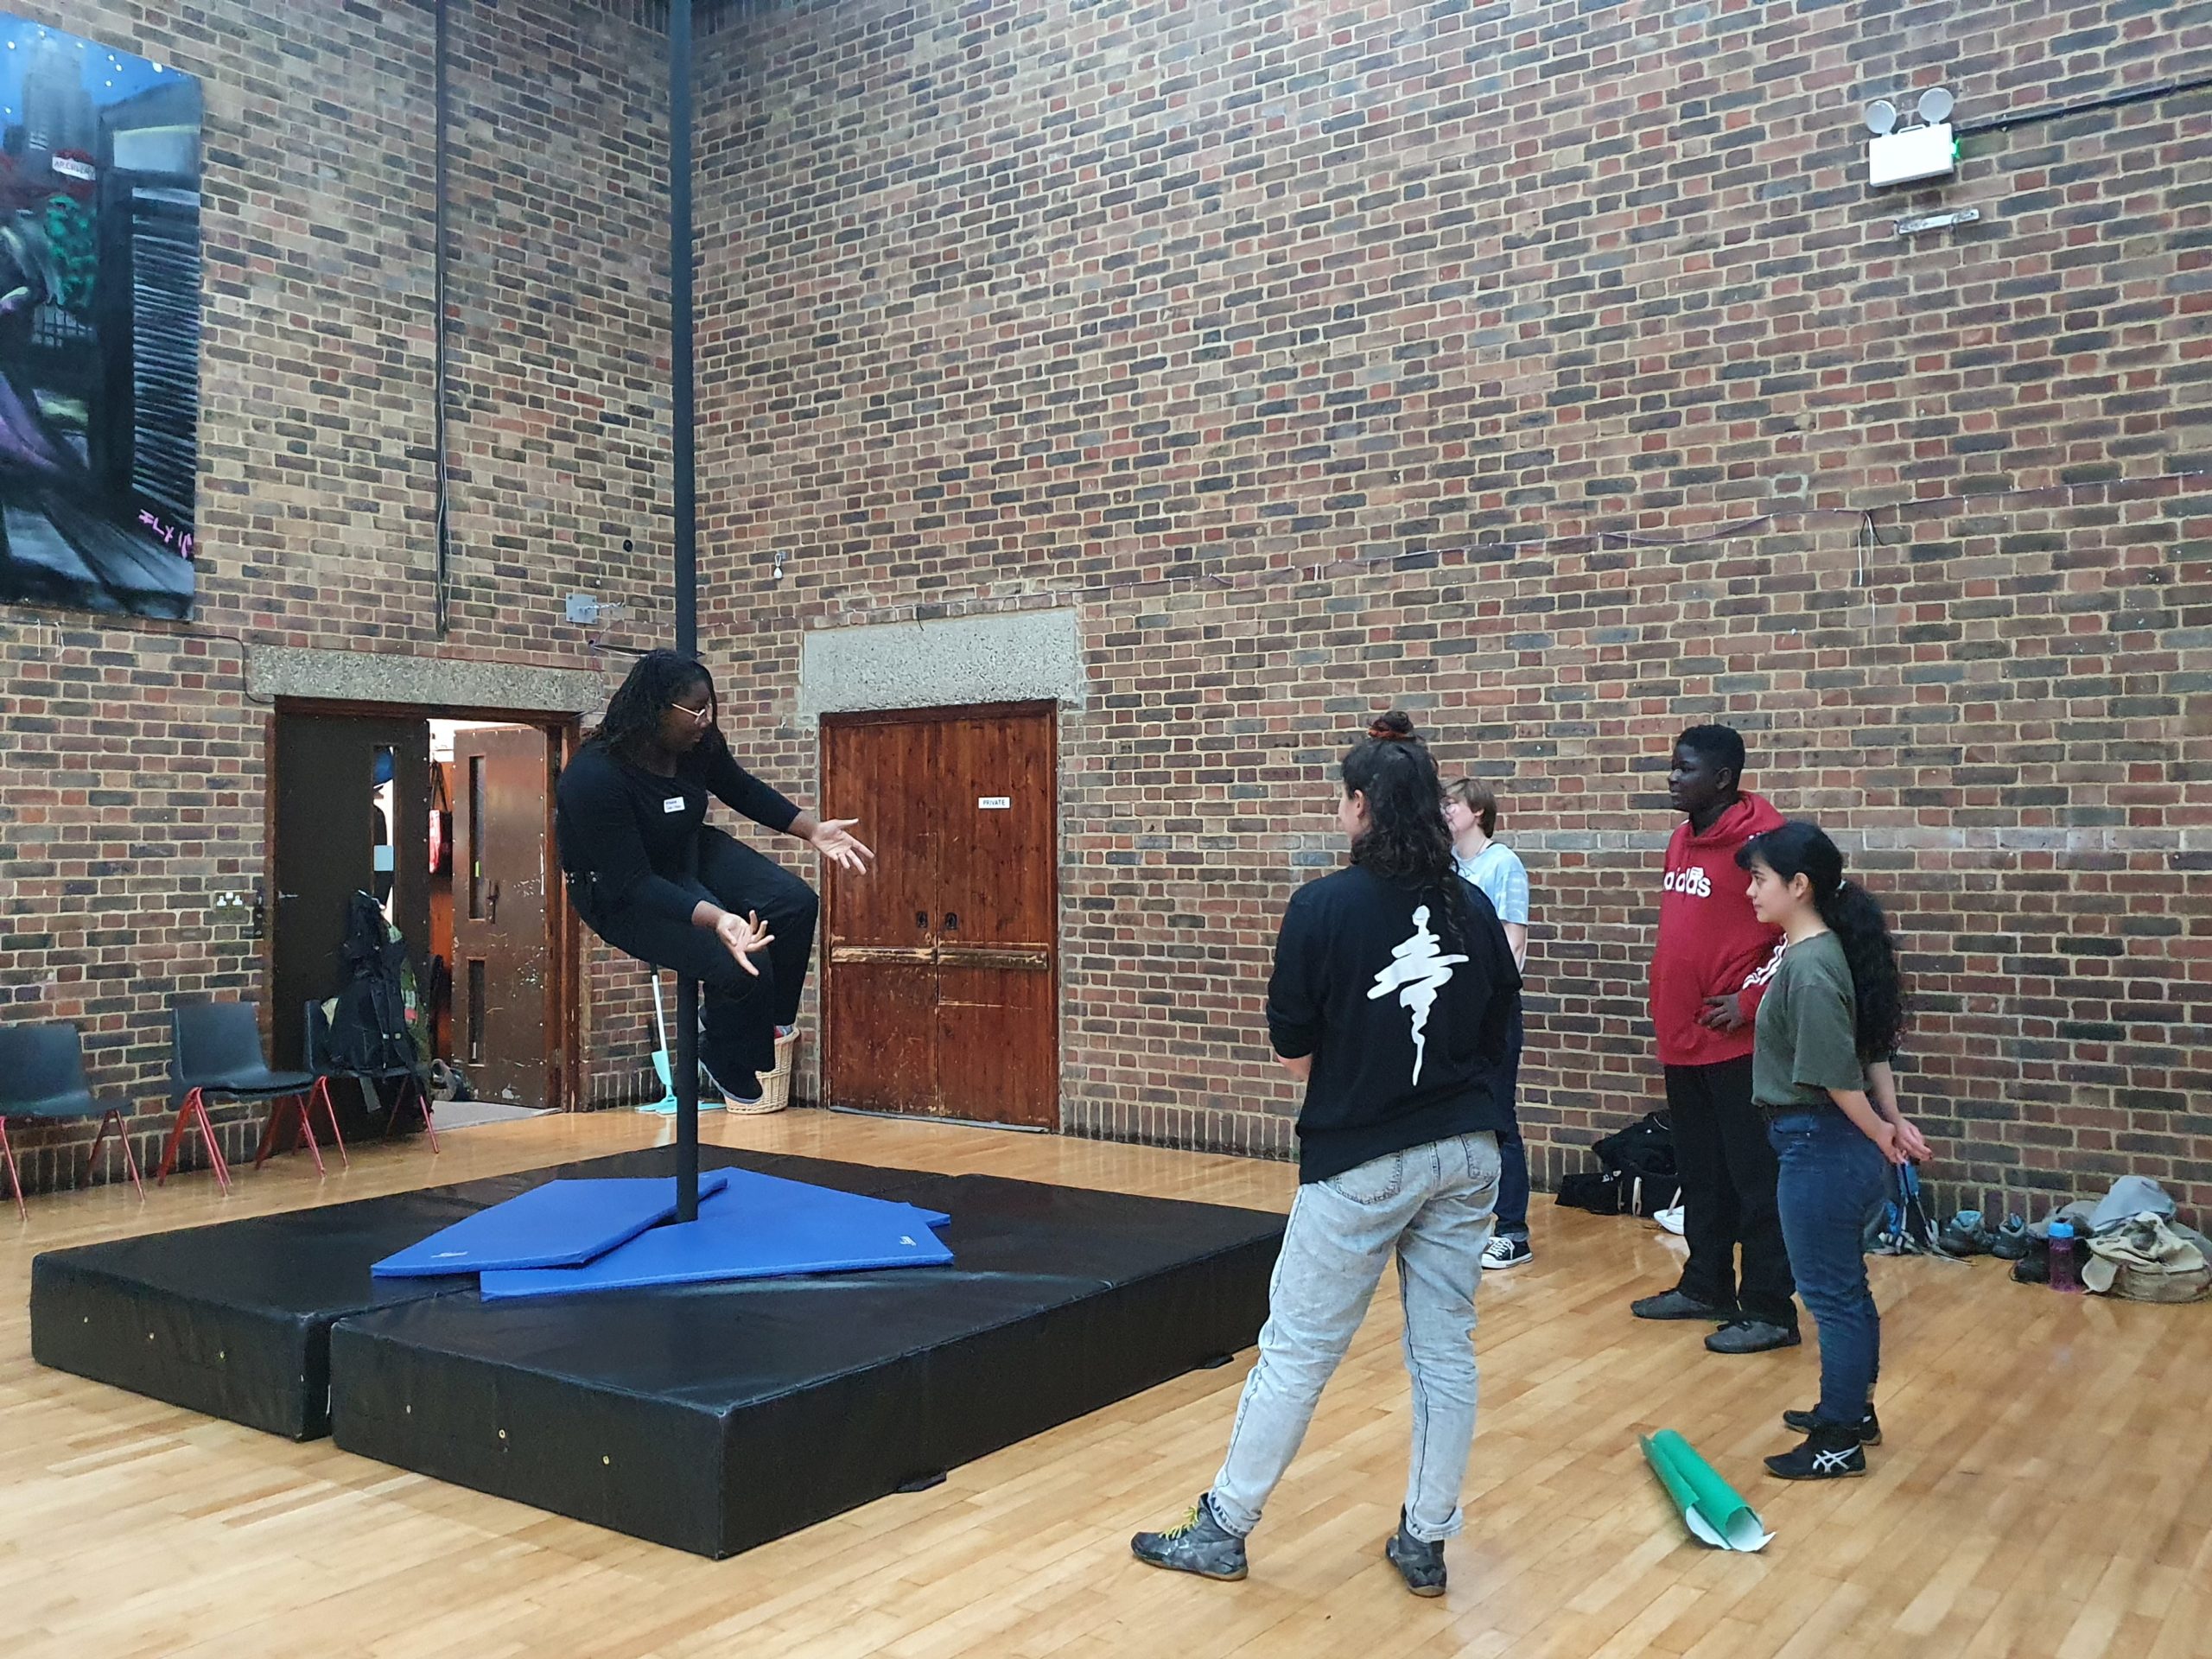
1713, 1510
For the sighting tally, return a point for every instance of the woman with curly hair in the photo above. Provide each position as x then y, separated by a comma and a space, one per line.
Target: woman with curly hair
649, 876
1820, 1072
1393, 998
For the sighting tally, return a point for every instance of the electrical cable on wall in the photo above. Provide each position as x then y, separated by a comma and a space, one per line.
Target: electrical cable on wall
439, 271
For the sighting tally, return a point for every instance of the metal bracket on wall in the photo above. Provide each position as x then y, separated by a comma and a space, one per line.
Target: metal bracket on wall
1937, 221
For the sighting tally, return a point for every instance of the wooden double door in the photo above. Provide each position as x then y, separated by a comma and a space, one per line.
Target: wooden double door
941, 966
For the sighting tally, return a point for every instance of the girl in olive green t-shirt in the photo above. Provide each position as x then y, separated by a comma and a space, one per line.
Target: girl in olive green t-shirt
1821, 1070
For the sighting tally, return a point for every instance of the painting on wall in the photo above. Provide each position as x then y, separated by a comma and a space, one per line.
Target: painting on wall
100, 325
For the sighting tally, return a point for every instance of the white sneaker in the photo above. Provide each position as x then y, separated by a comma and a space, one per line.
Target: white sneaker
1504, 1252
1669, 1220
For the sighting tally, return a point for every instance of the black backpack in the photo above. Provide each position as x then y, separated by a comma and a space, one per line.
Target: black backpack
1638, 1174
371, 1023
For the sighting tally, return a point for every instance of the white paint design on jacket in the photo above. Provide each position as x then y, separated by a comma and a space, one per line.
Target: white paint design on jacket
1418, 970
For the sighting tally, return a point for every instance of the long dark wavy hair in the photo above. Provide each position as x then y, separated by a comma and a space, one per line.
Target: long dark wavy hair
1878, 988
1407, 842
655, 680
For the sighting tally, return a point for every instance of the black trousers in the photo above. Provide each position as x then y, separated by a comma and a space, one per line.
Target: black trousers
1728, 1170
737, 1012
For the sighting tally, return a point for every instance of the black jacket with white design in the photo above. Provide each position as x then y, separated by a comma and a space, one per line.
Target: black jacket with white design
1407, 1014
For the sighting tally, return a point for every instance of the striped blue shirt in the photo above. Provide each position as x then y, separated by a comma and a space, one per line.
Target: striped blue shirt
1498, 872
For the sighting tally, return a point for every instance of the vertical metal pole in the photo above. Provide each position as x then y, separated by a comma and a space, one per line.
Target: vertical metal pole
687, 546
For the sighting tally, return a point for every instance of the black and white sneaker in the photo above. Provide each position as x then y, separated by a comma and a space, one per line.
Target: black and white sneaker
1868, 1428
1504, 1252
1829, 1453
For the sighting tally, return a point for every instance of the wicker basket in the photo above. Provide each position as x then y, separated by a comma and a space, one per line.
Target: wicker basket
776, 1085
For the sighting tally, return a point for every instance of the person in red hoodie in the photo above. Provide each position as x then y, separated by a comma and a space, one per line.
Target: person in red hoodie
1710, 970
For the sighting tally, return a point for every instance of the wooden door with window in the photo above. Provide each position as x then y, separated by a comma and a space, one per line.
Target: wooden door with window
502, 967
940, 976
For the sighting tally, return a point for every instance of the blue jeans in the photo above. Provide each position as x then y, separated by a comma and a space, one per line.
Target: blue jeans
1430, 1205
1831, 1175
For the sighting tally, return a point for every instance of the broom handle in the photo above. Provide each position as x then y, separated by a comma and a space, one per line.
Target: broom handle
659, 1018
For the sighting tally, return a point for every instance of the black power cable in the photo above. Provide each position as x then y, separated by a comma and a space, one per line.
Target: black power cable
2108, 101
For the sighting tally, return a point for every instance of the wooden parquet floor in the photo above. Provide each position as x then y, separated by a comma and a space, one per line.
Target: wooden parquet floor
2043, 1491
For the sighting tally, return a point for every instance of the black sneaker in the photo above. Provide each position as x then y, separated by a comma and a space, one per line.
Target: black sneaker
1504, 1252
1828, 1454
1964, 1234
1868, 1428
2010, 1242
1200, 1544
1421, 1565
733, 1094
1752, 1337
1673, 1305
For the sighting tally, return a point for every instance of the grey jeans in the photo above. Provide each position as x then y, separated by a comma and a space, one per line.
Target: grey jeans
1434, 1206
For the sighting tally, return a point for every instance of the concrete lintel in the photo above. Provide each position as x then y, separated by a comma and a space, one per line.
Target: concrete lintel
427, 682
1007, 657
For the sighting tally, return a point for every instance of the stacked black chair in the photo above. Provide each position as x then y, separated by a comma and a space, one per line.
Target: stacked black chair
413, 1091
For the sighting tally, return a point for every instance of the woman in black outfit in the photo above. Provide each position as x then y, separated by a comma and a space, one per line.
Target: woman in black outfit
649, 876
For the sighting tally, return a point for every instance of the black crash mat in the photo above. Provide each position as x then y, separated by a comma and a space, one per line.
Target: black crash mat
233, 1320
715, 1417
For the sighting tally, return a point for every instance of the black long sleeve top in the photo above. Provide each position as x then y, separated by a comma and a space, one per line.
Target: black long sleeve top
628, 836
1406, 1014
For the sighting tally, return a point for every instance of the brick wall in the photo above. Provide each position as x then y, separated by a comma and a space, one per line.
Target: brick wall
132, 769
1546, 369
1543, 368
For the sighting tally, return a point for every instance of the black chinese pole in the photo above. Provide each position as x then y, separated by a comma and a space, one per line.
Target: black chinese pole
687, 545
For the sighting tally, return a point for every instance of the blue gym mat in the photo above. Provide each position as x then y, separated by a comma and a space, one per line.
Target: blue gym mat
555, 1226
757, 1227
779, 1195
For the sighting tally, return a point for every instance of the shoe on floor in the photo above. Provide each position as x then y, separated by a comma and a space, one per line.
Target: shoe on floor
1421, 1565
1828, 1454
1673, 1305
1964, 1234
1868, 1428
1670, 1219
2010, 1242
1752, 1337
1200, 1544
1504, 1252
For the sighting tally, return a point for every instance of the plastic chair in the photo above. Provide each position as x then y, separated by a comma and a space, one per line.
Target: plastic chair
43, 1081
410, 1076
215, 1048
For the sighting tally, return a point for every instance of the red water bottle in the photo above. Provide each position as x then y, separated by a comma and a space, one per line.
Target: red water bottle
2065, 1272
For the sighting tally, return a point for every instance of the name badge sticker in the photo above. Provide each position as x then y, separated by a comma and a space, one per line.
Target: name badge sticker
673, 803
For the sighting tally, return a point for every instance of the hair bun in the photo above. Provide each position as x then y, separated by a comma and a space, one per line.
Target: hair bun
1396, 727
